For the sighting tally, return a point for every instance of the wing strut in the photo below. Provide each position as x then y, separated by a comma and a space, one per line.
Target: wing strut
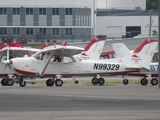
8, 53
42, 73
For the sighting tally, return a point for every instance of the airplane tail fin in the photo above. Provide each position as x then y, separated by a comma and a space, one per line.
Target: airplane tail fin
121, 50
143, 55
93, 49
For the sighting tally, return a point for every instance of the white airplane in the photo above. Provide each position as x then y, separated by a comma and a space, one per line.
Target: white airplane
41, 63
92, 51
121, 50
9, 51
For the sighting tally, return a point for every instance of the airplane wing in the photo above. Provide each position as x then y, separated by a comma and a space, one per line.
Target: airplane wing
61, 50
17, 51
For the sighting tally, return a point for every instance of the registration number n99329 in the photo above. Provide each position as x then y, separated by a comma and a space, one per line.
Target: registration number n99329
100, 66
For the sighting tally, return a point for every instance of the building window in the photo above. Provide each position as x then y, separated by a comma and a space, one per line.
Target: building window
132, 31
55, 11
42, 11
29, 31
55, 31
42, 31
68, 11
3, 11
16, 11
68, 31
16, 31
3, 31
29, 11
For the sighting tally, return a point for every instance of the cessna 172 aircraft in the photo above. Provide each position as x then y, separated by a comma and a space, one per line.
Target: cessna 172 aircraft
92, 51
9, 51
43, 63
120, 50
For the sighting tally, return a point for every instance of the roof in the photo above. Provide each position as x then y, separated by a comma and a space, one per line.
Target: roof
117, 12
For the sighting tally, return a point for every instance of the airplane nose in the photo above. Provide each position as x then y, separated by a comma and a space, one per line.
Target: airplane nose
7, 62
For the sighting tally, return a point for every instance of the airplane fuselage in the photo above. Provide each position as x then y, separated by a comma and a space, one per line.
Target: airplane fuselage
34, 67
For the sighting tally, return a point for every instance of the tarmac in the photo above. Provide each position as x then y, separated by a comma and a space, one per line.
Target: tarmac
80, 102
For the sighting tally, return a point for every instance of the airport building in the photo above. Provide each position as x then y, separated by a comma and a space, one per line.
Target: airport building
46, 19
72, 20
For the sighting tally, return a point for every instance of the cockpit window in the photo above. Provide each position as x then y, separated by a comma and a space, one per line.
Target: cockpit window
68, 59
40, 56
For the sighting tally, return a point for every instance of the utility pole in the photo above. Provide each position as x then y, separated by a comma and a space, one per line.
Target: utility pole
159, 42
150, 21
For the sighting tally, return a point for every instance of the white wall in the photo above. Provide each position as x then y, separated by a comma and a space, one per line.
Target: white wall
49, 3
126, 4
116, 25
101, 4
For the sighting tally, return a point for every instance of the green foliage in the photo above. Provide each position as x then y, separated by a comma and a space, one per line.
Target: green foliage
152, 4
154, 32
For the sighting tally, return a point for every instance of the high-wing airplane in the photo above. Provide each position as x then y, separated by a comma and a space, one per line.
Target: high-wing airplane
95, 47
120, 50
9, 51
43, 64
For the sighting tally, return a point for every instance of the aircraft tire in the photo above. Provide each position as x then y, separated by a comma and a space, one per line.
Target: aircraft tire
3, 82
101, 81
154, 81
94, 81
22, 83
49, 82
76, 82
144, 81
125, 82
58, 82
10, 82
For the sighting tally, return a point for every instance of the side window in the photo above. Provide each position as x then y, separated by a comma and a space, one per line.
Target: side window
67, 60
57, 58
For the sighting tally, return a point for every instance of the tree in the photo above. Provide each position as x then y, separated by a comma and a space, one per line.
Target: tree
154, 32
152, 4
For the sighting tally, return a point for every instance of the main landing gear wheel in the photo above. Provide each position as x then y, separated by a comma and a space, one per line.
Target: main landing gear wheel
154, 81
4, 82
101, 81
125, 82
94, 81
22, 83
49, 82
58, 82
10, 82
144, 81
76, 82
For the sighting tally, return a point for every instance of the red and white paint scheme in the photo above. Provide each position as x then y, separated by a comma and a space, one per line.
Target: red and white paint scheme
120, 50
41, 66
8, 51
95, 44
